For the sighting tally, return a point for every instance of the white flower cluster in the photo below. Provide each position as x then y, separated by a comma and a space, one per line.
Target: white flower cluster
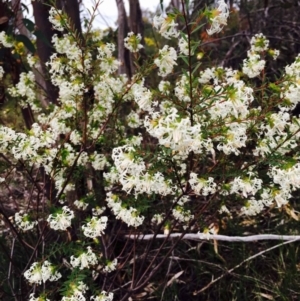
259, 43
24, 222
61, 220
164, 87
291, 86
288, 179
26, 89
84, 260
95, 227
157, 218
166, 26
275, 130
142, 96
81, 204
207, 232
129, 216
202, 186
98, 211
56, 19
104, 296
40, 298
77, 292
134, 177
133, 120
235, 138
38, 273
253, 65
132, 42
254, 207
180, 213
1, 72
235, 100
107, 60
219, 18
166, 60
246, 187
184, 45
5, 40
110, 266
175, 132
181, 91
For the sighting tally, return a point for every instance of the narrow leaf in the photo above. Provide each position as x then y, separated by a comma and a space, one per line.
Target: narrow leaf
28, 24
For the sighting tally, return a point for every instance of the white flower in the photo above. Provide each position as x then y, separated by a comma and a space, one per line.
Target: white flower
34, 274
247, 186
164, 87
207, 232
61, 221
166, 60
202, 186
125, 160
76, 296
104, 296
1, 73
5, 40
98, 161
110, 266
181, 90
219, 18
32, 60
132, 42
275, 54
84, 260
105, 54
81, 204
224, 209
184, 45
259, 43
129, 216
133, 120
253, 207
166, 26
75, 137
41, 298
23, 221
253, 65
157, 218
55, 17
98, 211
49, 273
182, 215
142, 95
37, 273
78, 291
95, 227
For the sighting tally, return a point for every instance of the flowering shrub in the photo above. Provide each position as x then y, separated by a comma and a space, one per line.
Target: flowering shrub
203, 145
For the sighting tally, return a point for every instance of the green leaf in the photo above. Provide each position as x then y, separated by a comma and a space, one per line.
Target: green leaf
195, 46
25, 7
197, 28
196, 68
28, 24
184, 58
28, 44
